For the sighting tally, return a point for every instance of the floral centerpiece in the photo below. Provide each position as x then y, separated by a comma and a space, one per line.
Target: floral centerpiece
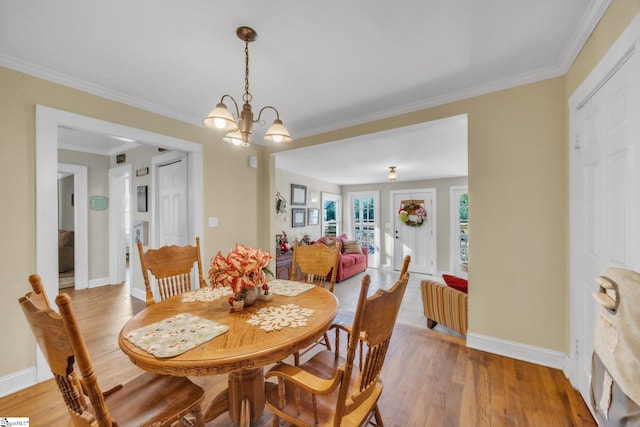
243, 268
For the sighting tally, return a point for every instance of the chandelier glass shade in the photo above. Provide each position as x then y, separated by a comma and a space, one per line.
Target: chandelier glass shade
392, 173
238, 129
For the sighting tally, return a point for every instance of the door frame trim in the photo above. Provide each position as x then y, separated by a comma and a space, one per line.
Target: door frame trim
115, 220
625, 46
47, 121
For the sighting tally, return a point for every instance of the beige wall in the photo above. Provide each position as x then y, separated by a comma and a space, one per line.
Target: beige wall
230, 189
517, 168
284, 179
518, 171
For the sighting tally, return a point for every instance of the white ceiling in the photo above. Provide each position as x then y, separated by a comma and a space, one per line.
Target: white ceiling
323, 65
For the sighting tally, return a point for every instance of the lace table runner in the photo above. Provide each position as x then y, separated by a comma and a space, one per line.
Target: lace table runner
276, 318
207, 294
175, 335
288, 288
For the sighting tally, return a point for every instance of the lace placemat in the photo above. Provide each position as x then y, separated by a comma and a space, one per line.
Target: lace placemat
288, 288
276, 318
175, 335
207, 294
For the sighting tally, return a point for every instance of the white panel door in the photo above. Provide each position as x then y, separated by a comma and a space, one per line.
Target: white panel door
417, 241
608, 195
172, 204
119, 222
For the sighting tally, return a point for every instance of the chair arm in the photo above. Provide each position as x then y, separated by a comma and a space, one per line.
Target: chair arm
445, 305
304, 379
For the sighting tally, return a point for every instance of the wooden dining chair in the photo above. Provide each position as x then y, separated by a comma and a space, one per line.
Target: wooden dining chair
172, 267
347, 327
318, 265
147, 400
324, 391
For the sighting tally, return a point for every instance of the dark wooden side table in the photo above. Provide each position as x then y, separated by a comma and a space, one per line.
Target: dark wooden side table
283, 264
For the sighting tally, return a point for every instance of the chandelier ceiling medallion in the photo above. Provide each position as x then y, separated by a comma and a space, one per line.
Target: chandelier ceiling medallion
238, 132
392, 173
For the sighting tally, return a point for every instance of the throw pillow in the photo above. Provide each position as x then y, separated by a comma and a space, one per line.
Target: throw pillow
456, 283
330, 243
351, 247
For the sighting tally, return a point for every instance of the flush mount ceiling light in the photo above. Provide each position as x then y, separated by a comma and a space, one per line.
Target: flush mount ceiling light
239, 131
392, 173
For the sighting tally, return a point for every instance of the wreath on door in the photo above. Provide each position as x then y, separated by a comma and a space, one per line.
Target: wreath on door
412, 213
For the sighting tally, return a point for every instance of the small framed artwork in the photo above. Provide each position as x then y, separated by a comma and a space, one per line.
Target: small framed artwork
121, 158
298, 194
313, 216
142, 198
297, 217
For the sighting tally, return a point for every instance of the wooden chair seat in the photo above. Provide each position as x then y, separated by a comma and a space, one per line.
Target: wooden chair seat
147, 400
151, 399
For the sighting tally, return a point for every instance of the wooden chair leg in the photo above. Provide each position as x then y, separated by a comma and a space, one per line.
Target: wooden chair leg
431, 323
378, 416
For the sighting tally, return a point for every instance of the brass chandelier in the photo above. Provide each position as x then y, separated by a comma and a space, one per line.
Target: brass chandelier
239, 132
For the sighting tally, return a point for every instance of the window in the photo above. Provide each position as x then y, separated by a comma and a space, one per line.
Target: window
331, 214
364, 222
463, 219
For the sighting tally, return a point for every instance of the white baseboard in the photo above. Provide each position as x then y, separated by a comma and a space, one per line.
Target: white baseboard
518, 351
17, 381
101, 281
139, 294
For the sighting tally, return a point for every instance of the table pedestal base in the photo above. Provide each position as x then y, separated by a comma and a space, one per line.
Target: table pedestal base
244, 398
246, 395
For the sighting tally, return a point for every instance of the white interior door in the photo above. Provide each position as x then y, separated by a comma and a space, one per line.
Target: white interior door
173, 228
119, 222
417, 241
608, 195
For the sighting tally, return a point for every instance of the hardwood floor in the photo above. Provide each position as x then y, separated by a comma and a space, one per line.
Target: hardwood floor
431, 378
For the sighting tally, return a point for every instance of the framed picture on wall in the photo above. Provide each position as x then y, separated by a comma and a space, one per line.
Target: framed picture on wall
298, 194
297, 217
313, 216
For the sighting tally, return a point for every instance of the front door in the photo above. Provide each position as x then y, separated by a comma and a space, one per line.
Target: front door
414, 234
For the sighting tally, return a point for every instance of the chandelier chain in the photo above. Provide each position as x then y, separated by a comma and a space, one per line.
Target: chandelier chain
247, 96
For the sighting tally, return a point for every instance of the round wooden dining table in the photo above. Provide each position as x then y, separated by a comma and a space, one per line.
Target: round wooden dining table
242, 351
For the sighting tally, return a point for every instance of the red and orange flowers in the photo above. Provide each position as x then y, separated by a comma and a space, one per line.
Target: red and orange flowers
244, 267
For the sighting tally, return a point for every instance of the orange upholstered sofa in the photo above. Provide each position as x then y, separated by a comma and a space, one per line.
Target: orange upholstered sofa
445, 305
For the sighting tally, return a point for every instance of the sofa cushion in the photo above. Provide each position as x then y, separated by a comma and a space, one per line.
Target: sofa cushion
351, 247
348, 260
327, 241
456, 283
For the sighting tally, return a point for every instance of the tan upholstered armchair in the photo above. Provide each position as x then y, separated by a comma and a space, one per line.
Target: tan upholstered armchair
445, 305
